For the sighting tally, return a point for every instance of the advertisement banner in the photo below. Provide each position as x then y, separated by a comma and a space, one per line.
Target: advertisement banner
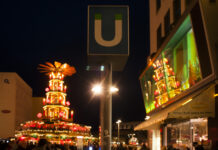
201, 106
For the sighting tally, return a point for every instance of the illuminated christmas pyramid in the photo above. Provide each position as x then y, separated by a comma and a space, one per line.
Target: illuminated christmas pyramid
165, 81
56, 122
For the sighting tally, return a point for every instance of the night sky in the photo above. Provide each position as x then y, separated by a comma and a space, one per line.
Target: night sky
33, 32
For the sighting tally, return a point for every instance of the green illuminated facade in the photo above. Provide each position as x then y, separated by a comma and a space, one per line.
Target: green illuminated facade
179, 84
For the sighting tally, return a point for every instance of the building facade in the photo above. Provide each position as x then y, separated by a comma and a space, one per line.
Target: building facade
179, 84
15, 103
37, 103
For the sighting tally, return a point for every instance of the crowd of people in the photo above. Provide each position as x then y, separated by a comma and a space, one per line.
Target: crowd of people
43, 144
121, 146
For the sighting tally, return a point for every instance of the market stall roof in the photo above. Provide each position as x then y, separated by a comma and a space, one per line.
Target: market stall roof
200, 104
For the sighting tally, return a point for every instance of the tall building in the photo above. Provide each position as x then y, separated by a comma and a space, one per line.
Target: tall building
15, 102
179, 83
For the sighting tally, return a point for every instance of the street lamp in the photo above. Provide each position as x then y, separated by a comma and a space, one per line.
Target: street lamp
97, 89
114, 89
118, 129
147, 117
105, 90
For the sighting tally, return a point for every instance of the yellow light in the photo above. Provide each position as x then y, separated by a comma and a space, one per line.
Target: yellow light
97, 89
65, 65
118, 121
216, 95
114, 89
187, 102
147, 117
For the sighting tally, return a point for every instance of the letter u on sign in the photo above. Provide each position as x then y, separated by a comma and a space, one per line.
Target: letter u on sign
98, 31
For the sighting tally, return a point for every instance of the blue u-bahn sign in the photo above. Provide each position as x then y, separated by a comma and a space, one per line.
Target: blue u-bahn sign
108, 35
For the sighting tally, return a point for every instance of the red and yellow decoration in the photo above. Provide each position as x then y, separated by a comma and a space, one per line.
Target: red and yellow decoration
166, 84
55, 123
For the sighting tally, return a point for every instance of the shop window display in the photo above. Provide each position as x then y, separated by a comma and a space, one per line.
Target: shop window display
179, 135
175, 70
200, 131
185, 62
186, 134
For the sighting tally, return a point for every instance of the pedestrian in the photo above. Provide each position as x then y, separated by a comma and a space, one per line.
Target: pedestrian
144, 147
199, 147
170, 147
42, 145
21, 145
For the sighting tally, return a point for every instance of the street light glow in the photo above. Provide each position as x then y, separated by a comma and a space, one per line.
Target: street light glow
147, 117
97, 89
114, 89
102, 68
118, 129
118, 121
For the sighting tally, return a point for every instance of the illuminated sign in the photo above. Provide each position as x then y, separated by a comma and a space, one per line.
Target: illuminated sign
108, 35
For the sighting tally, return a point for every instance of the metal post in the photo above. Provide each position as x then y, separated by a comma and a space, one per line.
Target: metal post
118, 130
106, 108
118, 134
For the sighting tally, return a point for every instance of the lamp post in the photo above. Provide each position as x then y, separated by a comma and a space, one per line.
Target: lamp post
118, 129
105, 90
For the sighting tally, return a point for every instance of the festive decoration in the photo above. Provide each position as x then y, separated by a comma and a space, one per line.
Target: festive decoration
67, 103
71, 114
57, 70
54, 124
47, 89
39, 115
166, 84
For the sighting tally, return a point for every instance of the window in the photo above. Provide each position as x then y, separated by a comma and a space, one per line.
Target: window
188, 132
6, 81
158, 4
175, 70
203, 52
167, 23
184, 62
176, 10
179, 132
159, 38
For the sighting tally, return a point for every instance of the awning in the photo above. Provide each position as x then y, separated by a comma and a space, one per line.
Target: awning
201, 104
153, 123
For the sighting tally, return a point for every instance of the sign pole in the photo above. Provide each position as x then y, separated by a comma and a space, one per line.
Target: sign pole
106, 108
107, 48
